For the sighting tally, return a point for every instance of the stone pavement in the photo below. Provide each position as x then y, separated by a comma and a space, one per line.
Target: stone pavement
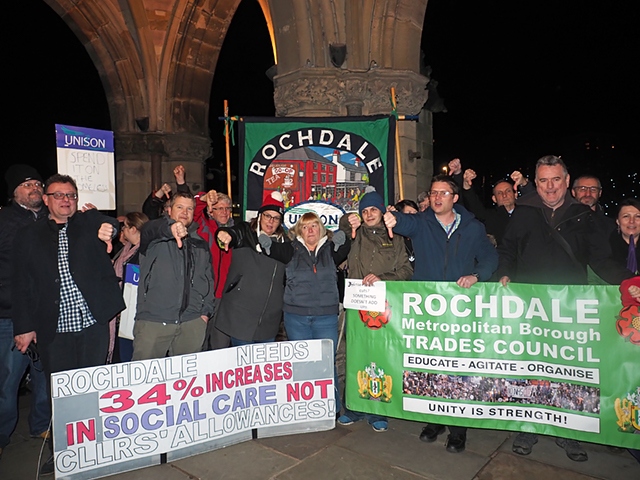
357, 452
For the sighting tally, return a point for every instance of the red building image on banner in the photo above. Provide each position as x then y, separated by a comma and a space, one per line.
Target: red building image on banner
317, 173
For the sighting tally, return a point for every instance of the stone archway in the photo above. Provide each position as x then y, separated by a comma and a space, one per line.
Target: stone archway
156, 60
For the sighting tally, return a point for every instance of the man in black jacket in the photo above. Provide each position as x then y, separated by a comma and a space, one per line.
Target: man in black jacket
25, 185
587, 189
550, 239
65, 290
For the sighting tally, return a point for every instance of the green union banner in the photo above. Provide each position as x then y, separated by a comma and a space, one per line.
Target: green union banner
554, 360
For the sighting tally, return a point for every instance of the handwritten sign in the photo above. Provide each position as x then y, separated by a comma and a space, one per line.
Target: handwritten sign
87, 155
361, 297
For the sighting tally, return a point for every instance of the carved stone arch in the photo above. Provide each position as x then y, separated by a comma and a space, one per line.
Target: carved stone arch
99, 25
197, 39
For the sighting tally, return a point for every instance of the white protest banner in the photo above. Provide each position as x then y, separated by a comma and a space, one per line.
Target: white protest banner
361, 297
115, 418
130, 294
87, 155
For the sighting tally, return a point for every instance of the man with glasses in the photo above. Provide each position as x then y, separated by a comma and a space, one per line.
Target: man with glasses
213, 210
551, 239
587, 189
505, 193
25, 186
450, 245
65, 290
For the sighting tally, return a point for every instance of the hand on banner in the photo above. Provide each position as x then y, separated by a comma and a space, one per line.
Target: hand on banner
355, 222
88, 206
179, 175
179, 231
467, 178
455, 167
467, 281
504, 280
224, 239
106, 234
370, 280
24, 340
630, 291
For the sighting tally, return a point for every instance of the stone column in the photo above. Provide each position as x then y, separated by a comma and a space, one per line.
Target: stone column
136, 154
335, 92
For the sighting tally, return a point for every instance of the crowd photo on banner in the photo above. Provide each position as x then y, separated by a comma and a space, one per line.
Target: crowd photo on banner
191, 272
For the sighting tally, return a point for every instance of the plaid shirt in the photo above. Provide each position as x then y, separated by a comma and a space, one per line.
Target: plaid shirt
74, 313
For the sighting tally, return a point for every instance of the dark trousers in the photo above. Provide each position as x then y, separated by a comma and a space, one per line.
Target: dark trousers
68, 351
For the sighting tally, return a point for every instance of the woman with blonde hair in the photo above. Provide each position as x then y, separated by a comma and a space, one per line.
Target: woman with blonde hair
311, 300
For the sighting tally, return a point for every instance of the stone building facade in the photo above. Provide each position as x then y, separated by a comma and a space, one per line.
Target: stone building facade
156, 60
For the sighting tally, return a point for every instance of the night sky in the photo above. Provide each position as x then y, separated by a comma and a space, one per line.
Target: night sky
519, 80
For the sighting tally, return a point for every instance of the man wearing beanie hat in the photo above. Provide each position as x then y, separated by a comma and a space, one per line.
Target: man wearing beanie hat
374, 256
24, 185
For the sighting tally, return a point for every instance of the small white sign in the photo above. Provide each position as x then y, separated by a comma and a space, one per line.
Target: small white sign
361, 297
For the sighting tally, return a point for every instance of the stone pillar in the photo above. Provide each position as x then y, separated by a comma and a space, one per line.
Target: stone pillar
136, 154
335, 92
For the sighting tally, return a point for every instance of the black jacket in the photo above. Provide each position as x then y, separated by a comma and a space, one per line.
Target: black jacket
495, 219
251, 304
531, 253
12, 218
36, 289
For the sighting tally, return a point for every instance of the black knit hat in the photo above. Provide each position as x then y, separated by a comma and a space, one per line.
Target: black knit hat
16, 174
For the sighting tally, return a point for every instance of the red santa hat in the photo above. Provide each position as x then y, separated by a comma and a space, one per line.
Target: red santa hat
272, 201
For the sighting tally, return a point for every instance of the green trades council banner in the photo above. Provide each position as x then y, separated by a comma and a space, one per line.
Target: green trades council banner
554, 360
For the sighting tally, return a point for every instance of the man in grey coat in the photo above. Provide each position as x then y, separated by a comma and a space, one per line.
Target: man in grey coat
175, 291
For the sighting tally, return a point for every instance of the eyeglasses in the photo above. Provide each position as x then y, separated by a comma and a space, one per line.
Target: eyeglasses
587, 189
224, 209
271, 218
31, 185
60, 195
443, 194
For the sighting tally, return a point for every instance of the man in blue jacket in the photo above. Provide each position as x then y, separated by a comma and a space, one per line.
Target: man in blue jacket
451, 245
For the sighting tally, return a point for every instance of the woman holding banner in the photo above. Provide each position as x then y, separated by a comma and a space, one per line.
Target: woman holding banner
311, 301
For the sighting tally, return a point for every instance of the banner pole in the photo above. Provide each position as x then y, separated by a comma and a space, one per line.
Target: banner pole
228, 150
398, 159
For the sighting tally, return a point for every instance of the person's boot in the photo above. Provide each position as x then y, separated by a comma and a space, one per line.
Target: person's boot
48, 467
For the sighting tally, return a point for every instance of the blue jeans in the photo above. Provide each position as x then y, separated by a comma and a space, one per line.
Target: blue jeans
315, 327
13, 365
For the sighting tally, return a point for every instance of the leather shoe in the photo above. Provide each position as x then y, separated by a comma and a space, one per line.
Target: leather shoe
430, 432
456, 443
